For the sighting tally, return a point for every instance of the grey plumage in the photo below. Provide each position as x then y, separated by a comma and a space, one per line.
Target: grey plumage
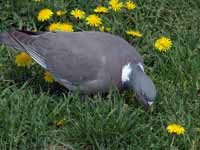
90, 61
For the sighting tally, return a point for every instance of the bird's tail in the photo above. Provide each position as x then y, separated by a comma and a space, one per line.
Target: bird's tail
7, 39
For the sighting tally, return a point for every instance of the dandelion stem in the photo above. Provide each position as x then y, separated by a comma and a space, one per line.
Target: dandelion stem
172, 141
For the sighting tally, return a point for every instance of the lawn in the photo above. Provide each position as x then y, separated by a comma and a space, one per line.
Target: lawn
35, 114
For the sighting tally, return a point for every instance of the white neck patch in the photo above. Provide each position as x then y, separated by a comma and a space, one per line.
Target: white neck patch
126, 71
141, 66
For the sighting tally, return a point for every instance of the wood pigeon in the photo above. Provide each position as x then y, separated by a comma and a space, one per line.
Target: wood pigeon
89, 61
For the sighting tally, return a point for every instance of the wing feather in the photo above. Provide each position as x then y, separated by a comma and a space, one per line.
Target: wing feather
29, 44
75, 68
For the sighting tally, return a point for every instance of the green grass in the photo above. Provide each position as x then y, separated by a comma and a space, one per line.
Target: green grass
29, 106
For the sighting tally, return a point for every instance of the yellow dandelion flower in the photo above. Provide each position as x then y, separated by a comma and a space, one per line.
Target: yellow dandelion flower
130, 5
78, 14
134, 33
23, 60
38, 1
54, 27
44, 14
115, 5
93, 20
48, 77
163, 44
175, 129
60, 12
66, 27
101, 9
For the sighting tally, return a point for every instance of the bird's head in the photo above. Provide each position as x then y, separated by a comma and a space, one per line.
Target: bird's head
134, 77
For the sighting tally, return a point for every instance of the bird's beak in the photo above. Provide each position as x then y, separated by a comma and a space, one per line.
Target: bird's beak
149, 103
144, 101
149, 106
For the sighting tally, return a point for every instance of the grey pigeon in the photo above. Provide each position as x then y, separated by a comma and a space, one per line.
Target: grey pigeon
89, 61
